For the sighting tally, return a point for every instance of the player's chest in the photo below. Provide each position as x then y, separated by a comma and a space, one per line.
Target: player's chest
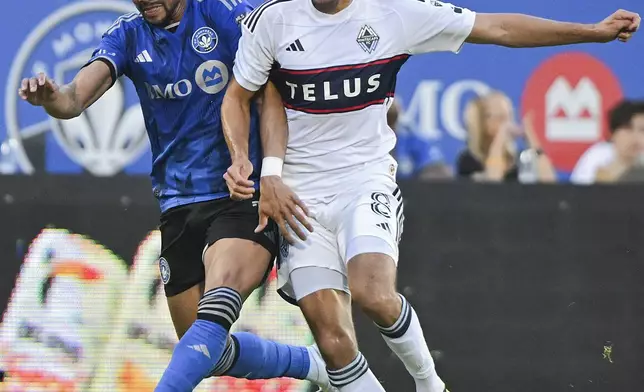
336, 68
182, 66
353, 42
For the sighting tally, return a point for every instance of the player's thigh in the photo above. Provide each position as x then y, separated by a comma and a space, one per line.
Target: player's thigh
318, 253
180, 266
369, 233
235, 256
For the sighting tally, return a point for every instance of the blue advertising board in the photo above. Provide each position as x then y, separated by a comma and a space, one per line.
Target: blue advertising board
567, 89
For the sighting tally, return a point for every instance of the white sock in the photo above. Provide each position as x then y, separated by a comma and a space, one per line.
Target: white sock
405, 338
355, 377
317, 370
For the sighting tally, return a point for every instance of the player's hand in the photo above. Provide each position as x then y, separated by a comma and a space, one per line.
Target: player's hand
621, 25
278, 202
240, 187
38, 90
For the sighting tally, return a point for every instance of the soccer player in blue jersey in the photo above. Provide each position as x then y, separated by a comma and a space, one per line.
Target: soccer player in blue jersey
179, 55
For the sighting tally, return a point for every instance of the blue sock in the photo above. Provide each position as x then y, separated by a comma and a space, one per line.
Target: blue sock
200, 349
251, 357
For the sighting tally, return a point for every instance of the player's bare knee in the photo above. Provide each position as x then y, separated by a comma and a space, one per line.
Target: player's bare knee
337, 345
372, 281
227, 273
328, 313
377, 304
233, 263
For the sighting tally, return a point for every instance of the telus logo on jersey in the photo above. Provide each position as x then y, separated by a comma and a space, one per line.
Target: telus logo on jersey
338, 89
110, 135
211, 77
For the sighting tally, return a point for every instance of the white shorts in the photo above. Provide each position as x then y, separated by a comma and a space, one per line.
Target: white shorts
365, 219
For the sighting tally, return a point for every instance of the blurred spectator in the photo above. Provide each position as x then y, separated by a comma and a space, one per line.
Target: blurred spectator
417, 157
492, 152
610, 161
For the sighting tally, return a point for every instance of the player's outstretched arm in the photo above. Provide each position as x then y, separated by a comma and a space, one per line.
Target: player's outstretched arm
523, 31
70, 100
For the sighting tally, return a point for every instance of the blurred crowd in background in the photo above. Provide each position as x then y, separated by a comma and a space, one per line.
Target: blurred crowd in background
501, 149
488, 114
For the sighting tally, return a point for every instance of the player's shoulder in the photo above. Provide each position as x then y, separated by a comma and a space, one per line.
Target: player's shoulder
221, 9
412, 5
270, 12
125, 24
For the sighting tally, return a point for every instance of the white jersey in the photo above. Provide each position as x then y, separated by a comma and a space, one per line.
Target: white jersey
337, 75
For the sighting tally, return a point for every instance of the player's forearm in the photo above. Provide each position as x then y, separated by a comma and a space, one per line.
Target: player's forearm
273, 124
235, 119
523, 31
64, 104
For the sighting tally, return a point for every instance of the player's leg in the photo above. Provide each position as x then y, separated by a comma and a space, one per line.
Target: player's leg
317, 281
180, 266
183, 308
370, 241
247, 355
328, 314
234, 267
372, 277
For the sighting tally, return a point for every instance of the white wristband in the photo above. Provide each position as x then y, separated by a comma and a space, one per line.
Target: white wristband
272, 166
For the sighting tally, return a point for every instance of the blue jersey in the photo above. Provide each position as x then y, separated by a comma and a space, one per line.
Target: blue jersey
181, 77
414, 153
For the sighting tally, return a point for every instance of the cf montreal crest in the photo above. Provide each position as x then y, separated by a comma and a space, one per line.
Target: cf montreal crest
164, 270
204, 40
110, 135
368, 39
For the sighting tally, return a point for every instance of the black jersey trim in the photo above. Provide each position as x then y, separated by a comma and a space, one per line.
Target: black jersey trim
347, 109
251, 20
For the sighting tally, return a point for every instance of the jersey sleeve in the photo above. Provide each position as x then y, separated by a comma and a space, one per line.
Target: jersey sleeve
112, 50
227, 17
255, 55
434, 26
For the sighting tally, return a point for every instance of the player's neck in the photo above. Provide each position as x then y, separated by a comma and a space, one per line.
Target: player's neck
331, 6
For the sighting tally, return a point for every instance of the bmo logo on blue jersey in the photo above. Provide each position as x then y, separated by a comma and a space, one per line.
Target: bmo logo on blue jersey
211, 77
176, 90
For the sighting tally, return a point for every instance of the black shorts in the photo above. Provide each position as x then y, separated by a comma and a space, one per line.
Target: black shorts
187, 230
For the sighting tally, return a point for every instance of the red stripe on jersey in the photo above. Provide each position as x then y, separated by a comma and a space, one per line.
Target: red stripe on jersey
340, 110
342, 67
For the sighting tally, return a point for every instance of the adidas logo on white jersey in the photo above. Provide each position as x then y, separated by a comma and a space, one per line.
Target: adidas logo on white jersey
143, 57
201, 348
295, 46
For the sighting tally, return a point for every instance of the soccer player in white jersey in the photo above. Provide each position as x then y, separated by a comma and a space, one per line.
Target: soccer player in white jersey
335, 64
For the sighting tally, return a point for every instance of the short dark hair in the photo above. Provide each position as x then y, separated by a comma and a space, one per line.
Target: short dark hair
620, 115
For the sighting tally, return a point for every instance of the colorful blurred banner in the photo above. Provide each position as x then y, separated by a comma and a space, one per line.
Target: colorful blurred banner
518, 289
78, 322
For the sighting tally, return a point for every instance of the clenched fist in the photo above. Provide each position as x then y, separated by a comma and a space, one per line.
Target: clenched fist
621, 25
